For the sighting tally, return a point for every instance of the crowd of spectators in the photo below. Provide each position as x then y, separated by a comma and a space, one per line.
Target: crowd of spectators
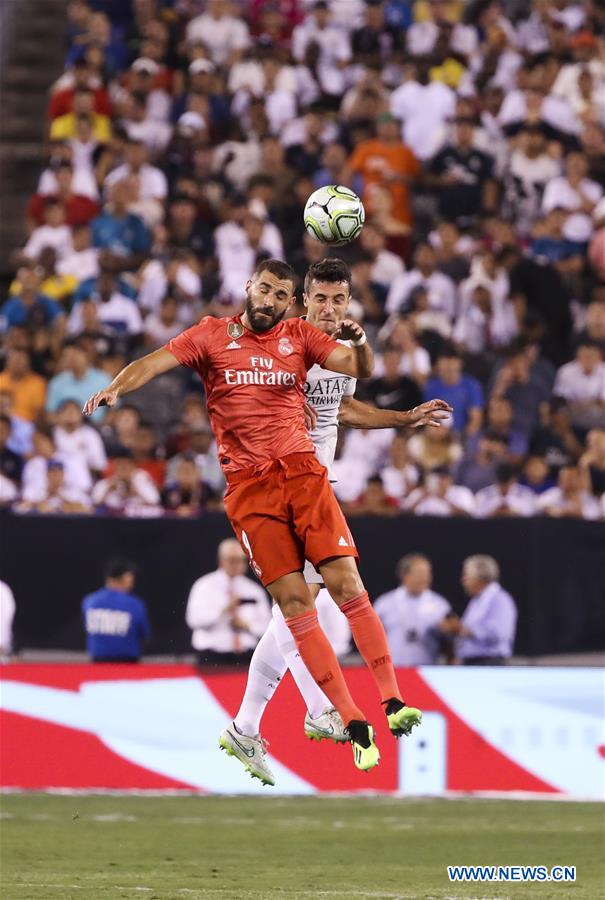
184, 138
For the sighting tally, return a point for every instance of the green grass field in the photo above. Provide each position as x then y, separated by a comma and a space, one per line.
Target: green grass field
229, 848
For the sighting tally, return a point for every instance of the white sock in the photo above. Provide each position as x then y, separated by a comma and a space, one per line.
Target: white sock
267, 668
314, 697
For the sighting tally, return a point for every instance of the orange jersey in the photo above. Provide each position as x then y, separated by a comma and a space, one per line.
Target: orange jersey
254, 385
374, 159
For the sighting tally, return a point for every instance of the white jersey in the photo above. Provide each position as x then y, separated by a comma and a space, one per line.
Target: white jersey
324, 390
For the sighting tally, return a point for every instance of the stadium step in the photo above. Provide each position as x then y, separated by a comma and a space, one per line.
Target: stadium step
32, 52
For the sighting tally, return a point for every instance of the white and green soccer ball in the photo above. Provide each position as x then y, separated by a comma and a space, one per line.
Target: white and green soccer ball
334, 215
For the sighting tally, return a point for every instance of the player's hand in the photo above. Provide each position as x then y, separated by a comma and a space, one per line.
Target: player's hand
349, 330
434, 412
101, 398
310, 417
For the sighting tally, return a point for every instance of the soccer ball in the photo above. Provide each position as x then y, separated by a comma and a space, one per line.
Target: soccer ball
334, 215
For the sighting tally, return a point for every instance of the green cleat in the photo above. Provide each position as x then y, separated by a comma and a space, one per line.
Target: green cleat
366, 754
250, 751
402, 718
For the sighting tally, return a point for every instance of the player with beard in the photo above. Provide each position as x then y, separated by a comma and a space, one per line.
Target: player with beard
278, 498
327, 291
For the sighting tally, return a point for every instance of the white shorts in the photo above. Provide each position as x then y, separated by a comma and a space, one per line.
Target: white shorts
311, 575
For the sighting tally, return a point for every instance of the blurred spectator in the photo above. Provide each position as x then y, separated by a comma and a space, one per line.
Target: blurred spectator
115, 620
76, 380
523, 385
83, 104
82, 262
463, 177
582, 384
79, 441
54, 232
186, 494
506, 498
30, 307
146, 454
107, 308
392, 390
434, 447
439, 496
536, 475
554, 439
592, 462
78, 77
223, 35
324, 47
152, 181
477, 469
374, 501
121, 236
129, 490
571, 498
486, 631
73, 479
462, 392
412, 614
7, 614
21, 431
27, 389
441, 291
400, 476
386, 161
79, 209
11, 463
54, 495
227, 611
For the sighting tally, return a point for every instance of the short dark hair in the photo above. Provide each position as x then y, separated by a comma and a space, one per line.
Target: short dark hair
118, 566
505, 472
331, 270
276, 267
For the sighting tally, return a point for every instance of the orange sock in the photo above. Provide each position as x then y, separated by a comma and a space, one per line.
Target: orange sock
319, 657
371, 641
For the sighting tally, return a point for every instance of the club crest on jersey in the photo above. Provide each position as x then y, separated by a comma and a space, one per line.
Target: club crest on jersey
285, 347
235, 330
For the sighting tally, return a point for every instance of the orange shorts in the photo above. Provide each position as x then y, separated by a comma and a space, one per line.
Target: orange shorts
287, 514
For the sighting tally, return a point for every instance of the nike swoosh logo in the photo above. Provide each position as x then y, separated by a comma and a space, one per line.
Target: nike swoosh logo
329, 730
249, 753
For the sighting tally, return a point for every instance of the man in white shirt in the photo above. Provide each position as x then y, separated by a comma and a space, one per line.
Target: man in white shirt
423, 108
114, 312
386, 266
238, 246
570, 499
573, 191
506, 497
412, 614
334, 47
129, 491
440, 288
152, 181
75, 439
439, 496
227, 611
582, 383
224, 36
83, 260
486, 631
54, 233
7, 614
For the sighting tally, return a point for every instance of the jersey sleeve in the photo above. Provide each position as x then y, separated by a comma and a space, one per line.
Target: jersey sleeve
317, 345
191, 346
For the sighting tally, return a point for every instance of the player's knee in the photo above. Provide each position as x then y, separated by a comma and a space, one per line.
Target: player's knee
295, 603
349, 585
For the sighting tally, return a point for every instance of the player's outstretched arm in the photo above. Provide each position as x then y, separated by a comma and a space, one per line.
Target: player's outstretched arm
356, 414
132, 377
357, 360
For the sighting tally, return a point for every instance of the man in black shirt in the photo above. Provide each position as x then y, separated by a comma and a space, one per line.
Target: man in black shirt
463, 176
375, 42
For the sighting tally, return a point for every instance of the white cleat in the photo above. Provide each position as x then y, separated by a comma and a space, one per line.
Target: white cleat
251, 752
327, 727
